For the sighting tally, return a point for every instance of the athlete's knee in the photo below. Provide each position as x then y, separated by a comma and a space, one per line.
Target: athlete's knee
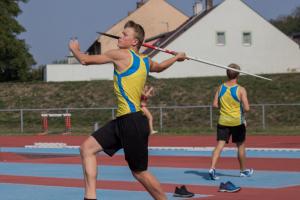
220, 144
84, 150
240, 144
138, 175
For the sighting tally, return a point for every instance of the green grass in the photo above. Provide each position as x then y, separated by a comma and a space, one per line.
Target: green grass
283, 89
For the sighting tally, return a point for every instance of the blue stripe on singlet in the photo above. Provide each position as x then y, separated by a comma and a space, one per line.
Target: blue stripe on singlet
233, 93
121, 89
242, 122
146, 61
133, 68
223, 90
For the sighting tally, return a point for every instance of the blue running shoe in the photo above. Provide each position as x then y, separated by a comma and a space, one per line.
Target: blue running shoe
228, 187
212, 174
230, 184
247, 173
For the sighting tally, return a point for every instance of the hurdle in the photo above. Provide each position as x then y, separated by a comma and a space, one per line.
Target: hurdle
45, 124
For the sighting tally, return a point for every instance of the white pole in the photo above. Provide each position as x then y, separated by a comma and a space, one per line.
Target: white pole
224, 67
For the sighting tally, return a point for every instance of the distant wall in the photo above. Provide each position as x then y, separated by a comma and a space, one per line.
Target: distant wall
77, 72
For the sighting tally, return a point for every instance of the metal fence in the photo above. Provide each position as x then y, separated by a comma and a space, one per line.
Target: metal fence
161, 110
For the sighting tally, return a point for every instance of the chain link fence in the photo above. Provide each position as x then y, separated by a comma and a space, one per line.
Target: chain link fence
181, 119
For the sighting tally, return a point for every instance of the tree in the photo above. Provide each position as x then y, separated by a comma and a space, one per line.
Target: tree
60, 62
15, 59
288, 24
37, 73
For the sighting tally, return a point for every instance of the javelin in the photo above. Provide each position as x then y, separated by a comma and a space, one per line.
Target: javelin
191, 58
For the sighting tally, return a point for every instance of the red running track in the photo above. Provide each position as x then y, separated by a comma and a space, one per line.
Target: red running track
162, 141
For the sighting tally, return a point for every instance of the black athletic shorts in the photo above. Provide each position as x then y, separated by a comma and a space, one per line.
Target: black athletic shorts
238, 133
129, 132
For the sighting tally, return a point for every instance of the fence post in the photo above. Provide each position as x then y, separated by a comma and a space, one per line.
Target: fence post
67, 111
21, 121
113, 113
0, 147
210, 108
263, 117
160, 117
96, 126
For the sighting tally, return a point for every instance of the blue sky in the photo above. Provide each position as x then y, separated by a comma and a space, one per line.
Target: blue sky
51, 23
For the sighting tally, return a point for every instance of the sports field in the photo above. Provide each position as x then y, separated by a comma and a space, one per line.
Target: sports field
41, 173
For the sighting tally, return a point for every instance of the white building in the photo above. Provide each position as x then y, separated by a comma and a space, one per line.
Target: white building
77, 72
229, 33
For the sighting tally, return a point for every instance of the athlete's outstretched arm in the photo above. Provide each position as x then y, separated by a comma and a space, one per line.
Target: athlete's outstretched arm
84, 59
159, 67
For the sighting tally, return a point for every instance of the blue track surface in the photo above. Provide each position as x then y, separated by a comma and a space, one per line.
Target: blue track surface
32, 192
260, 179
249, 154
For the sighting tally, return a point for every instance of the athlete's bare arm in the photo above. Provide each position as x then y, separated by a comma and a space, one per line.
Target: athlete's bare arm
120, 57
143, 93
159, 67
244, 99
147, 94
216, 99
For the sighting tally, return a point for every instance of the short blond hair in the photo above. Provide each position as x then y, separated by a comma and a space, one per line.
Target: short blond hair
233, 74
139, 32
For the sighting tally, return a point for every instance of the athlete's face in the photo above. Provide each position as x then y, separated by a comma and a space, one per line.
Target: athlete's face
146, 88
126, 39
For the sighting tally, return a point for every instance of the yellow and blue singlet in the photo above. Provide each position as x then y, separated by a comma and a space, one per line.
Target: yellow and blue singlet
129, 83
230, 106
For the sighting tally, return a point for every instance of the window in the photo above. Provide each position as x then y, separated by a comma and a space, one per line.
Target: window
246, 38
220, 38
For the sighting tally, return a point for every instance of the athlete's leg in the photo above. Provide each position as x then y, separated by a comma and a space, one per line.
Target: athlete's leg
88, 151
149, 116
241, 155
150, 183
216, 153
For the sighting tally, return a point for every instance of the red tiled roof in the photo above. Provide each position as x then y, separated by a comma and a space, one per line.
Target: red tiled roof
164, 41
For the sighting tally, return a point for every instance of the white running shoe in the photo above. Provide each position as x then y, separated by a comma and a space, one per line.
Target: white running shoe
247, 173
212, 174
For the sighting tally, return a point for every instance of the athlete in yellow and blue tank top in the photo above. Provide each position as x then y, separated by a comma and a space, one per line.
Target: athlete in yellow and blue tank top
229, 99
230, 106
129, 84
130, 130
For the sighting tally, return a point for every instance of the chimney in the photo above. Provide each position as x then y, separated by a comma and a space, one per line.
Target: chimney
139, 4
197, 7
209, 4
